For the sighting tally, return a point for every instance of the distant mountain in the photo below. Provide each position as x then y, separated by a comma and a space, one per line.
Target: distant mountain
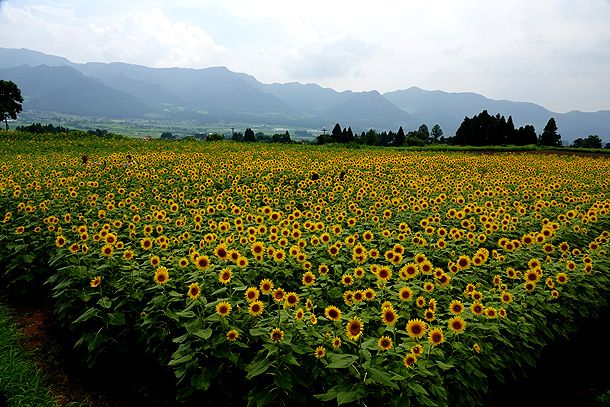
11, 57
65, 90
365, 110
218, 94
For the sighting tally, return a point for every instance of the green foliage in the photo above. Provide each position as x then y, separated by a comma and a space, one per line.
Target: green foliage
549, 136
486, 130
21, 383
592, 141
10, 101
166, 135
128, 311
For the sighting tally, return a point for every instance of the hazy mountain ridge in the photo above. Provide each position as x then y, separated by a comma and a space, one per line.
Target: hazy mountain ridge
218, 94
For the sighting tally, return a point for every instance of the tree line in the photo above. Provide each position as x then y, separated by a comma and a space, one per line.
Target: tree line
420, 137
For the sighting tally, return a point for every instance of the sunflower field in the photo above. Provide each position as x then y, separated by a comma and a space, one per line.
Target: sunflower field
294, 274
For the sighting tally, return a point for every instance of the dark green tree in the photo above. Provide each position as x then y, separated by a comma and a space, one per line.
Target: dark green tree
281, 138
436, 133
214, 137
549, 136
400, 138
10, 101
592, 141
166, 135
425, 133
525, 135
249, 135
337, 133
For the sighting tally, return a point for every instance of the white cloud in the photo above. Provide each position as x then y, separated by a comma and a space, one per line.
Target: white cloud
148, 38
552, 52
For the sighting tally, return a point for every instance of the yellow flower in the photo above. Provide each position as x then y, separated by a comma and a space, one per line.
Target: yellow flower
354, 328
223, 308
95, 281
194, 291
161, 276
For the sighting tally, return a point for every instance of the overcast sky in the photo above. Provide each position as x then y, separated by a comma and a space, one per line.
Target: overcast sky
552, 52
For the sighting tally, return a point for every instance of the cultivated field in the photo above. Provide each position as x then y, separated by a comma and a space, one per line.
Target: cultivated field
286, 274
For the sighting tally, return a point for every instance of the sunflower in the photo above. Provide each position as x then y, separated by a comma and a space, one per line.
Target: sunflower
194, 291
256, 308
299, 314
252, 294
436, 337
60, 241
457, 324
417, 349
476, 348
202, 262
107, 250
420, 301
308, 279
278, 295
161, 275
384, 343
276, 335
562, 278
429, 315
477, 308
146, 243
416, 328
409, 360
389, 316
154, 260
221, 251
456, 307
409, 270
491, 312
354, 328
369, 294
266, 286
347, 279
384, 273
224, 277
336, 342
95, 281
532, 276
463, 262
110, 238
292, 299
332, 313
405, 294
320, 352
128, 254
223, 308
506, 297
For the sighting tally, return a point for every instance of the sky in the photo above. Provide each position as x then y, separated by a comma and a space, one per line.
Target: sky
552, 52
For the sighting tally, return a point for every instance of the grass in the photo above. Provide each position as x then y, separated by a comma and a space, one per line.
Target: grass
21, 382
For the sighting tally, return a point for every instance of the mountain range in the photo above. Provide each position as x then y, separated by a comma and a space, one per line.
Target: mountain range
118, 90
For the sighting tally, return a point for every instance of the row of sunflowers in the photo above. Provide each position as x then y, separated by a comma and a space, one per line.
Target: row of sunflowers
307, 273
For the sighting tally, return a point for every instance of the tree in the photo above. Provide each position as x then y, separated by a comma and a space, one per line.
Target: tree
425, 133
525, 135
437, 133
549, 136
249, 135
10, 101
166, 135
214, 137
400, 138
593, 141
337, 133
